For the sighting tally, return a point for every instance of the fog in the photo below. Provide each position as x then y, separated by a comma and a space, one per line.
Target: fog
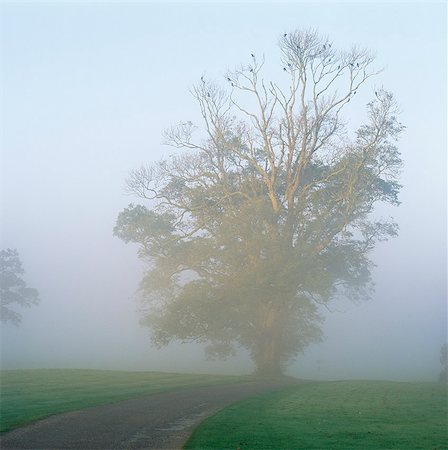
88, 90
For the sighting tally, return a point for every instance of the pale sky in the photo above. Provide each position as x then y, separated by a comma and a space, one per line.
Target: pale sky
88, 89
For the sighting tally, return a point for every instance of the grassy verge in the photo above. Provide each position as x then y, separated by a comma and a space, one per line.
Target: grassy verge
29, 395
332, 415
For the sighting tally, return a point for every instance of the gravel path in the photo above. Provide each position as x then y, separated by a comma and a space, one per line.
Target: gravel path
160, 421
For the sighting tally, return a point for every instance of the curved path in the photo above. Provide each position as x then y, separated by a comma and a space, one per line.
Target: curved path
158, 421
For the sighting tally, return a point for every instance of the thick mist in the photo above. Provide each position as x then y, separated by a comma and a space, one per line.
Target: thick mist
88, 90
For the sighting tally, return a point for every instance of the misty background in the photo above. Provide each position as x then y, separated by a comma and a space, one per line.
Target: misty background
87, 90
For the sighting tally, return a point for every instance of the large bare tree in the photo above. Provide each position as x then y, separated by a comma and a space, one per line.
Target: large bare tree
269, 213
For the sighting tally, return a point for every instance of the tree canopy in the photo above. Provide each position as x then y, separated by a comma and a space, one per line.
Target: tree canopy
13, 289
269, 213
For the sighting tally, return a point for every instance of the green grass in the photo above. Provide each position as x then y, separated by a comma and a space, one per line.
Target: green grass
332, 415
29, 395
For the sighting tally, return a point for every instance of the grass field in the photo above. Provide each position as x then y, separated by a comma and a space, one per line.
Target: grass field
332, 415
29, 395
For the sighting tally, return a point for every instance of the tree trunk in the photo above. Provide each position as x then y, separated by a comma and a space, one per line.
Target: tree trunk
268, 357
268, 362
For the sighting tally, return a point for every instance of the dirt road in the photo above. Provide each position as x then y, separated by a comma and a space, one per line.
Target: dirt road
160, 421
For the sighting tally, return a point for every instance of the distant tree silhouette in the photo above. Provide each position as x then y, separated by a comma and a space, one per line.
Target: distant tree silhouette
443, 377
13, 289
